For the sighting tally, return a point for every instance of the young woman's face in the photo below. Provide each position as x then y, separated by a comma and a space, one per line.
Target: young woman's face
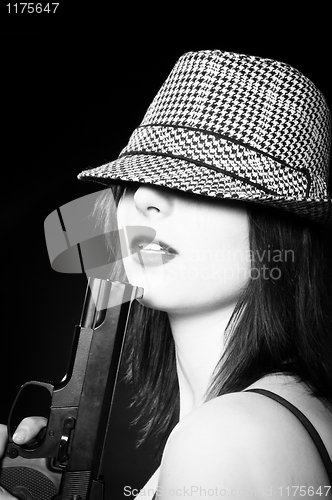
199, 259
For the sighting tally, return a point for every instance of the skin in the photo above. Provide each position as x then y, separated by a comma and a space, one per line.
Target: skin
200, 287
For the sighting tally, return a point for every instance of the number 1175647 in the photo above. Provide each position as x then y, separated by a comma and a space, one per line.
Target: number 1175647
32, 8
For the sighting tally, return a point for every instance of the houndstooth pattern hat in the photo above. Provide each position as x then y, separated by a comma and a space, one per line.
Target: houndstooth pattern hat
233, 126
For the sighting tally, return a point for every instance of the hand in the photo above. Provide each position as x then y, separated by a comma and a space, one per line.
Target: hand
27, 429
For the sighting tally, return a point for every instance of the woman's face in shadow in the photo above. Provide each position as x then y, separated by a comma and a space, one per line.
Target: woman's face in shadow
199, 259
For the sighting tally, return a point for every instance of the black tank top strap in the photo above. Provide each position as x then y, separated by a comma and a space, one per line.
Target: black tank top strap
307, 424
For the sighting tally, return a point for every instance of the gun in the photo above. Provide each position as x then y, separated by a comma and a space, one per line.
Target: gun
65, 463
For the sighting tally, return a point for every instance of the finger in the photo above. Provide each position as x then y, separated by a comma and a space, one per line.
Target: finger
3, 439
4, 495
28, 429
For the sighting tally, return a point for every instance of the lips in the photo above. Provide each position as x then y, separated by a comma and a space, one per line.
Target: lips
153, 253
141, 243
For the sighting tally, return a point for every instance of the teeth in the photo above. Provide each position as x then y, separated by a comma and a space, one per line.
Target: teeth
151, 246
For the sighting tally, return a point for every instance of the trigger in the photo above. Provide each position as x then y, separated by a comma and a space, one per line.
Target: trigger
35, 442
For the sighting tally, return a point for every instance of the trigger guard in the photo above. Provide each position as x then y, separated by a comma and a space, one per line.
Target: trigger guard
11, 426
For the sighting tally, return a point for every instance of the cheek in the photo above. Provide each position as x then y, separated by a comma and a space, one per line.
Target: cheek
224, 247
226, 267
233, 258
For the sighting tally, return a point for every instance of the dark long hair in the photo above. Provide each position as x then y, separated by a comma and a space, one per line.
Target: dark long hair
278, 325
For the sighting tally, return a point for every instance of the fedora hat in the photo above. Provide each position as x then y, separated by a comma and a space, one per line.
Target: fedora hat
233, 126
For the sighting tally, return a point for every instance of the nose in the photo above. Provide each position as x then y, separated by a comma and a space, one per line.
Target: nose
151, 201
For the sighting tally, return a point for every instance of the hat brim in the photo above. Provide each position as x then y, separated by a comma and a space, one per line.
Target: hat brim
180, 174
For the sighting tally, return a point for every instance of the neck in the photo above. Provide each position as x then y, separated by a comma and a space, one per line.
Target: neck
199, 345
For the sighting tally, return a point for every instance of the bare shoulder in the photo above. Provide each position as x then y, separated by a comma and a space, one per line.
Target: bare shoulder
236, 419
240, 442
220, 414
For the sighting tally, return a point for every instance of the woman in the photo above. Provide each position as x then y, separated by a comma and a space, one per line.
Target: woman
230, 168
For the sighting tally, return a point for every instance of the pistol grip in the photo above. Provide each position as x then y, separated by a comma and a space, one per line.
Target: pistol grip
35, 477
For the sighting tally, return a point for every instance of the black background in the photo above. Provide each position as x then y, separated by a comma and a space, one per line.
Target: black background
73, 87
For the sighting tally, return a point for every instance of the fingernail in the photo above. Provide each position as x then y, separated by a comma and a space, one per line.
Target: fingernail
20, 435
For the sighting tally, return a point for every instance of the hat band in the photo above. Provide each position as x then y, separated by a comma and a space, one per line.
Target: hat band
222, 155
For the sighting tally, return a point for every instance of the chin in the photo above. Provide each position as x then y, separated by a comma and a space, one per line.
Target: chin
152, 281
150, 300
159, 300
